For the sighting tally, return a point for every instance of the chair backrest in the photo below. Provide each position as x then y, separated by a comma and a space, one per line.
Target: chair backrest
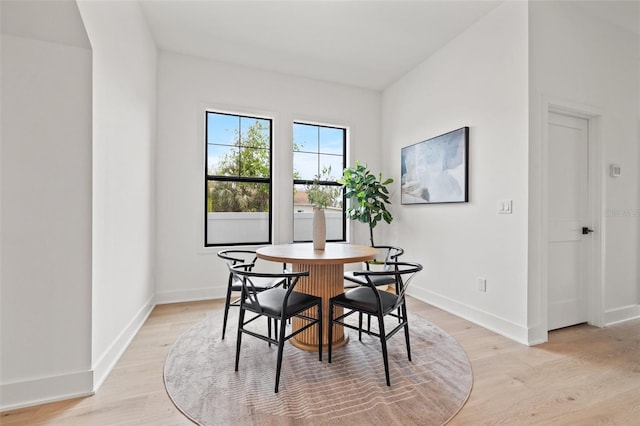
249, 289
234, 257
386, 255
403, 273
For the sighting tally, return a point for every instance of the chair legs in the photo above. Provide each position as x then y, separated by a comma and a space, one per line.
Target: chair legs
382, 334
406, 331
319, 327
239, 337
279, 329
226, 312
330, 334
280, 350
269, 329
282, 339
383, 342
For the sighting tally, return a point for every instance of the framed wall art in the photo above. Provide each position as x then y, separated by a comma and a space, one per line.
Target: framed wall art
436, 170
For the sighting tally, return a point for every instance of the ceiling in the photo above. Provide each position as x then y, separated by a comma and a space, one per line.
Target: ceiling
56, 21
362, 43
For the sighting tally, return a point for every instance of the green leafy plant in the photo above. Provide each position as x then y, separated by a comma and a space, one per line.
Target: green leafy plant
321, 196
370, 196
253, 161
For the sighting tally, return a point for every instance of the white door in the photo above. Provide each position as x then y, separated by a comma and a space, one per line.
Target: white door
567, 213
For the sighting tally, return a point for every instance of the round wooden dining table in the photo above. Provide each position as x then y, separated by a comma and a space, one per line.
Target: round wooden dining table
325, 279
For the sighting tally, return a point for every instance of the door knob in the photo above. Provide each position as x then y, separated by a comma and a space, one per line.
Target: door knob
586, 230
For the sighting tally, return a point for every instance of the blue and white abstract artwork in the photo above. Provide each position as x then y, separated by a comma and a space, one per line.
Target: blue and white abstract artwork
436, 170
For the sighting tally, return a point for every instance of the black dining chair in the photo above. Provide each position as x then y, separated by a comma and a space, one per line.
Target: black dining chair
368, 299
247, 258
279, 304
386, 254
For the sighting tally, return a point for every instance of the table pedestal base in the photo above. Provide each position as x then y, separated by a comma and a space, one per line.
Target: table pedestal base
314, 347
324, 281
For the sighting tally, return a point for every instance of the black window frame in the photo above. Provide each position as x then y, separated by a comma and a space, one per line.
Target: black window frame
328, 183
240, 179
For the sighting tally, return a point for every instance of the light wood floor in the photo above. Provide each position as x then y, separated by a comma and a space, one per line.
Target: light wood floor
582, 376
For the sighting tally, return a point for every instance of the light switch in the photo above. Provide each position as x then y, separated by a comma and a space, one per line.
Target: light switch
505, 206
615, 170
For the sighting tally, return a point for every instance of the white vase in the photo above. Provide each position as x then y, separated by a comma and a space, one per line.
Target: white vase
319, 229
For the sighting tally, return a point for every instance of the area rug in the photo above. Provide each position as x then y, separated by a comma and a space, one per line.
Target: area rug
200, 379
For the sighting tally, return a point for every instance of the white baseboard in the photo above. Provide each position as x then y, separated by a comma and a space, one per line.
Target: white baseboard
537, 335
110, 357
46, 389
85, 383
484, 319
191, 295
625, 313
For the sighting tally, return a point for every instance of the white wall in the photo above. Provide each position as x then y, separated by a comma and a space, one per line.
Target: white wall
581, 60
45, 290
186, 86
60, 337
124, 105
479, 80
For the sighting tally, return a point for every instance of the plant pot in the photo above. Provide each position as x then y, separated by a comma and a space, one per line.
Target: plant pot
319, 229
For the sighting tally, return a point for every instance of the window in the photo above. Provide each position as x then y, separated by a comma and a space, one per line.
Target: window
318, 151
238, 179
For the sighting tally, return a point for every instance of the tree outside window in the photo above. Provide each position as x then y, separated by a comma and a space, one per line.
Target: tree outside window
238, 190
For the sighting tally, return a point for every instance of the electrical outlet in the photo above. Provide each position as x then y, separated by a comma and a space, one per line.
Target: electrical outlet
482, 284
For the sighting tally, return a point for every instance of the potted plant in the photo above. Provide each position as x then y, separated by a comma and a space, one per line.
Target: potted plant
370, 196
320, 197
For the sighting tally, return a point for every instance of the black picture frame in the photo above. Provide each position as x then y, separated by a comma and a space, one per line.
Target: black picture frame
436, 170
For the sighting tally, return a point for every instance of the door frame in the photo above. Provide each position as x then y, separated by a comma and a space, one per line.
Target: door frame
596, 192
